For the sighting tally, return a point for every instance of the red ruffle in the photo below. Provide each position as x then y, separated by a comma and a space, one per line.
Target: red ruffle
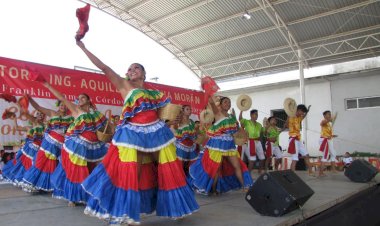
74, 173
44, 164
26, 162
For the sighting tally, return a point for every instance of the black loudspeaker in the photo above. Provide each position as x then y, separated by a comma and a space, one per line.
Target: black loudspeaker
360, 171
277, 193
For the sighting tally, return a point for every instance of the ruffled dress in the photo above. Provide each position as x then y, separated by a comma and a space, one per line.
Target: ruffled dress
80, 153
24, 157
38, 176
186, 148
125, 184
212, 166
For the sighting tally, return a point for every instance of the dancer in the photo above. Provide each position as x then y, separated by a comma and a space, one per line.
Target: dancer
24, 157
326, 143
220, 169
185, 135
141, 172
254, 130
38, 176
295, 145
81, 149
272, 143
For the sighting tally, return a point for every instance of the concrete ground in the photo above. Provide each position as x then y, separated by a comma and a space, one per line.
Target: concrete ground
18, 208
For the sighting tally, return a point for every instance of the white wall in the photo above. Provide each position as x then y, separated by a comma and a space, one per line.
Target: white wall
359, 129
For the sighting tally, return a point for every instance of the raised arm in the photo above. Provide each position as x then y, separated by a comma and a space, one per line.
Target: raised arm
120, 83
214, 108
36, 106
241, 115
72, 107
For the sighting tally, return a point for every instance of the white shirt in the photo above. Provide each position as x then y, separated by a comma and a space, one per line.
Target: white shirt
347, 160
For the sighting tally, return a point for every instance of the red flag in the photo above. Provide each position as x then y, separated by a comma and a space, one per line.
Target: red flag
209, 86
8, 97
82, 15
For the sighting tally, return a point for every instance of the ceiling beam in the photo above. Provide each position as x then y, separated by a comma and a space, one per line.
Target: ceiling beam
191, 7
313, 17
220, 20
284, 47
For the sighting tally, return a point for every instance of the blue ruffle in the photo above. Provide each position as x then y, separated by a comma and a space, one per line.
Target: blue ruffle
112, 203
37, 179
18, 171
51, 146
144, 138
66, 189
185, 153
201, 181
30, 149
7, 171
221, 143
90, 151
176, 203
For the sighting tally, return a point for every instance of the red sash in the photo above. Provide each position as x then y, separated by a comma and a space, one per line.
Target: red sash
239, 149
269, 149
144, 117
252, 146
324, 147
292, 145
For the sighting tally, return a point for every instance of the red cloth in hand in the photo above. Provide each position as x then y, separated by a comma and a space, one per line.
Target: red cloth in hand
292, 145
24, 102
7, 114
209, 86
82, 15
8, 97
36, 76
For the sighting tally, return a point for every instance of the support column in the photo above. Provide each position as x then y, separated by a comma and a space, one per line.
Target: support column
302, 95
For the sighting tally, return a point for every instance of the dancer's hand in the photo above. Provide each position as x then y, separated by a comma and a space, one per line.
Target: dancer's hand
80, 44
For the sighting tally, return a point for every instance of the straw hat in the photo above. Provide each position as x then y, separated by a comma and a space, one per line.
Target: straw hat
290, 107
169, 112
206, 116
244, 102
240, 137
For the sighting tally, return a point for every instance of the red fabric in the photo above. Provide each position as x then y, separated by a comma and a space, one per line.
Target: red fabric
144, 117
74, 173
122, 174
7, 114
252, 146
26, 162
209, 166
44, 164
187, 142
292, 145
24, 102
82, 15
269, 149
171, 176
36, 76
8, 97
209, 86
324, 147
240, 149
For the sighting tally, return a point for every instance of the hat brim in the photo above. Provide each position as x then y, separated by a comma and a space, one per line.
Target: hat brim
290, 107
244, 102
206, 116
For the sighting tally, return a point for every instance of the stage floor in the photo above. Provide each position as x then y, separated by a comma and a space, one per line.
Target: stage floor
18, 208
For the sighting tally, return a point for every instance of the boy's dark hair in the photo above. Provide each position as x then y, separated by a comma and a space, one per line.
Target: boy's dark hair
302, 107
270, 118
326, 112
253, 111
197, 122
